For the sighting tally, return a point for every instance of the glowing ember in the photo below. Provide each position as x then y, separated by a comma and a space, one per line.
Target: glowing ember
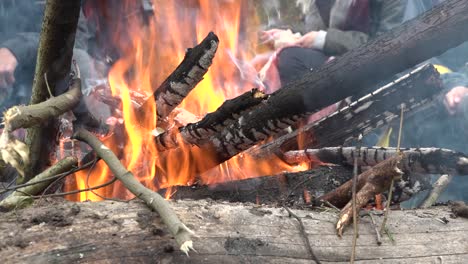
151, 53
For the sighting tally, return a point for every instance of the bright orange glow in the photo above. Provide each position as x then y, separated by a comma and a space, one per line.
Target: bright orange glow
150, 54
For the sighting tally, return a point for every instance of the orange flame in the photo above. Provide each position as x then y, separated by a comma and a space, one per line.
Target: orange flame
153, 53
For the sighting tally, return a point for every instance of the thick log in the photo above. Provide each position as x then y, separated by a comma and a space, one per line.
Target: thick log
416, 160
110, 232
185, 77
292, 188
53, 60
416, 90
356, 71
212, 123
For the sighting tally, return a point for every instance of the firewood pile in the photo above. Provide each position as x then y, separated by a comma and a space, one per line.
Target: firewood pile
290, 217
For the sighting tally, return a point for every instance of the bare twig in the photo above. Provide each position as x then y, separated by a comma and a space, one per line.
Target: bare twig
155, 201
23, 195
392, 183
374, 224
355, 209
76, 191
304, 235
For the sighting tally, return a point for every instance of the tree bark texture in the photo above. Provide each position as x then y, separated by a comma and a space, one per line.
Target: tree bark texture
53, 60
54, 231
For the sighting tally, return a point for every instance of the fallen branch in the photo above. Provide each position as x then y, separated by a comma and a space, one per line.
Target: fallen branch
23, 196
155, 201
415, 160
437, 189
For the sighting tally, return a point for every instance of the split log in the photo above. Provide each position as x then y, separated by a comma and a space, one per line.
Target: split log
53, 60
416, 160
212, 123
437, 189
185, 77
109, 232
416, 89
356, 71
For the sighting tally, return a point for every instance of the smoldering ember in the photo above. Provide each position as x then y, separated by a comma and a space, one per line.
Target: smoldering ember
234, 131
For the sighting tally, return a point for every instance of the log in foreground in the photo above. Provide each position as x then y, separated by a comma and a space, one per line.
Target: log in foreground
55, 231
155, 201
53, 60
416, 160
185, 77
416, 90
358, 70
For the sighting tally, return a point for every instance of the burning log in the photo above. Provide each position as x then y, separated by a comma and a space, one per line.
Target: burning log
381, 107
415, 160
292, 188
369, 183
357, 70
227, 233
53, 60
22, 196
212, 123
185, 77
178, 229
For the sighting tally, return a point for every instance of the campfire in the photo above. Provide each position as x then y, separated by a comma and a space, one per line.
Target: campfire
191, 126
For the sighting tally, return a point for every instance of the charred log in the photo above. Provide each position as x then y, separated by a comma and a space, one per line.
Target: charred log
416, 90
212, 123
53, 60
416, 160
185, 77
354, 72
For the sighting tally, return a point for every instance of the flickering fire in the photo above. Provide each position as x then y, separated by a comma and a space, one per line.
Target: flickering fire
155, 52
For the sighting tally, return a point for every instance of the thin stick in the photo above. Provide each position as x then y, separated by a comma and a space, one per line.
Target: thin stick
392, 183
374, 224
155, 201
114, 179
355, 179
303, 234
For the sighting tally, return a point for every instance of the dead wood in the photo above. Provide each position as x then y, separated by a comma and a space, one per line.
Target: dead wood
354, 72
22, 196
377, 180
53, 60
379, 108
110, 232
288, 188
459, 208
212, 123
437, 189
185, 77
374, 181
416, 160
155, 201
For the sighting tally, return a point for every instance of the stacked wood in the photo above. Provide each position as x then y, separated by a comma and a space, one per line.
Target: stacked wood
226, 233
379, 108
356, 71
416, 160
